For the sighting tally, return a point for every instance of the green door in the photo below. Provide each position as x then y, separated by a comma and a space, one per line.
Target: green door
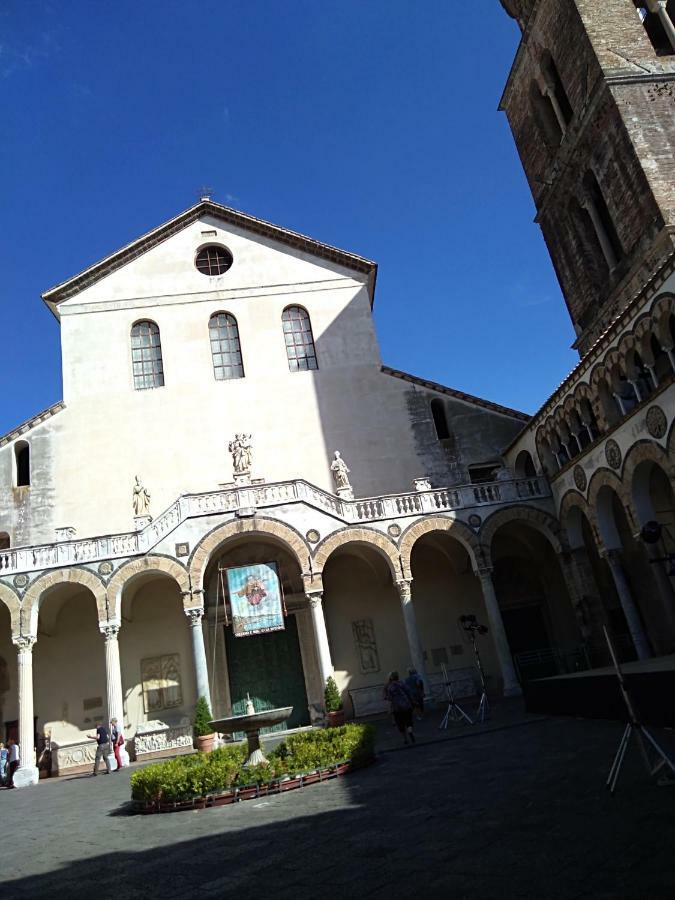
269, 668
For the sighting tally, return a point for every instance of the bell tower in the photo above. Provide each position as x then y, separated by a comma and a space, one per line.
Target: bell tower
590, 100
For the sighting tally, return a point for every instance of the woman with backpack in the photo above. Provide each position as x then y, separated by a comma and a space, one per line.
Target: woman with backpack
402, 702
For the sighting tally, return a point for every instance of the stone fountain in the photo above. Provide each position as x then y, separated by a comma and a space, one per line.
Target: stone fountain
251, 723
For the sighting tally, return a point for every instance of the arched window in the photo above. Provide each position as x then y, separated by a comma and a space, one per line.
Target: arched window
654, 21
524, 465
146, 356
557, 89
5, 542
601, 219
22, 463
225, 347
440, 420
299, 340
544, 116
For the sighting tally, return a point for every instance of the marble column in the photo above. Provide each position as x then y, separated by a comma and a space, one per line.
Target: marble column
199, 653
320, 634
630, 610
404, 589
511, 686
113, 672
27, 772
660, 7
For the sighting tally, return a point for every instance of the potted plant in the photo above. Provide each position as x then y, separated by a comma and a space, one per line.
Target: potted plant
204, 734
334, 710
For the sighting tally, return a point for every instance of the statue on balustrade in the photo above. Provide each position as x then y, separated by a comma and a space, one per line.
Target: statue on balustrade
141, 499
241, 449
340, 473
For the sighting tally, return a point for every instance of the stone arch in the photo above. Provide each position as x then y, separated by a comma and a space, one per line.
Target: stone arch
661, 310
139, 566
86, 578
644, 451
13, 604
571, 502
456, 529
602, 516
383, 544
536, 518
257, 526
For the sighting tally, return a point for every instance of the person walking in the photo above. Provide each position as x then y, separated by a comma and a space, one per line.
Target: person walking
14, 756
4, 763
416, 687
117, 740
102, 738
398, 694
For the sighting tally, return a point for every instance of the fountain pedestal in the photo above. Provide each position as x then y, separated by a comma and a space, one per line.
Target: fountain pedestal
251, 724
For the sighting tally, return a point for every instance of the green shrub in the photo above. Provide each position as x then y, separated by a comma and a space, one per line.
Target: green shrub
200, 775
202, 721
332, 696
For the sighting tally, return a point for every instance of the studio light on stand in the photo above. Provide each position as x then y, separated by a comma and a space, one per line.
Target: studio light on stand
472, 628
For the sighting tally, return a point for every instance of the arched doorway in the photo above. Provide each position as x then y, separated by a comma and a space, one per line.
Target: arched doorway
445, 588
8, 678
68, 664
536, 609
365, 625
277, 667
158, 681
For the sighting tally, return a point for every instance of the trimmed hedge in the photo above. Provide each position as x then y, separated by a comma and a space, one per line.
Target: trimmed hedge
202, 775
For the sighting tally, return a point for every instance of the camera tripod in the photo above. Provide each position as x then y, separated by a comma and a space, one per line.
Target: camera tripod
454, 712
471, 627
633, 725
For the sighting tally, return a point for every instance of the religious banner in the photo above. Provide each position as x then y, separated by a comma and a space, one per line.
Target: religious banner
255, 599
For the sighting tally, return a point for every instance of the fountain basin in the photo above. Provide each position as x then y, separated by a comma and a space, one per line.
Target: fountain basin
251, 723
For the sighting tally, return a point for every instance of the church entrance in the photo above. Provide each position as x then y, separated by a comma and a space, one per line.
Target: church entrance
269, 668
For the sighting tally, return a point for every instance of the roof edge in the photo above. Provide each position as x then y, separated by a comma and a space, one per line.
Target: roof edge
37, 419
458, 395
157, 235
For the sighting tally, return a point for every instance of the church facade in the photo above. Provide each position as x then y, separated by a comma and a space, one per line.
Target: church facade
226, 415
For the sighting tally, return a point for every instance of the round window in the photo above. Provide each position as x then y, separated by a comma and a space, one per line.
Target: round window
213, 260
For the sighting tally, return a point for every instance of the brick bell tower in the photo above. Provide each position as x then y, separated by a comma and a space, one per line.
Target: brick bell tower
590, 100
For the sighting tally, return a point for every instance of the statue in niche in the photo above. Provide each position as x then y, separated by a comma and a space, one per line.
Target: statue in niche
141, 499
241, 449
340, 473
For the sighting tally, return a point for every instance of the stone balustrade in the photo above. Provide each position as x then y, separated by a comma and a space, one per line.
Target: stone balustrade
227, 500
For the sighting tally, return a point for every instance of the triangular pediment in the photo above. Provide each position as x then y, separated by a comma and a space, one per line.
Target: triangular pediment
163, 259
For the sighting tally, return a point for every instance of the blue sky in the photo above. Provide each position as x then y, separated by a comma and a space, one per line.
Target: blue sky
370, 125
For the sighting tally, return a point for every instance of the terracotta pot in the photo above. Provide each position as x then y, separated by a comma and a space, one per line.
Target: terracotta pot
335, 719
205, 742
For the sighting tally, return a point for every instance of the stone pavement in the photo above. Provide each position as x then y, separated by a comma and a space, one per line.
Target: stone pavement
516, 812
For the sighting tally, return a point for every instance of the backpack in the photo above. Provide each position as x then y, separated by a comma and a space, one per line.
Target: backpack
400, 699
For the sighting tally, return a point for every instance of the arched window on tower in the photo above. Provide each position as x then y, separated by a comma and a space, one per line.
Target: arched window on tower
146, 356
225, 347
601, 219
299, 340
556, 91
22, 463
545, 117
440, 419
657, 19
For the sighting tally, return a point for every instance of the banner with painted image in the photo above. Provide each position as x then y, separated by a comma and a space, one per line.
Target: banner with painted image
255, 599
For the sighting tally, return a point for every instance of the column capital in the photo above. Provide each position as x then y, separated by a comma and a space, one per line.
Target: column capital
194, 614
404, 588
315, 599
109, 630
24, 643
